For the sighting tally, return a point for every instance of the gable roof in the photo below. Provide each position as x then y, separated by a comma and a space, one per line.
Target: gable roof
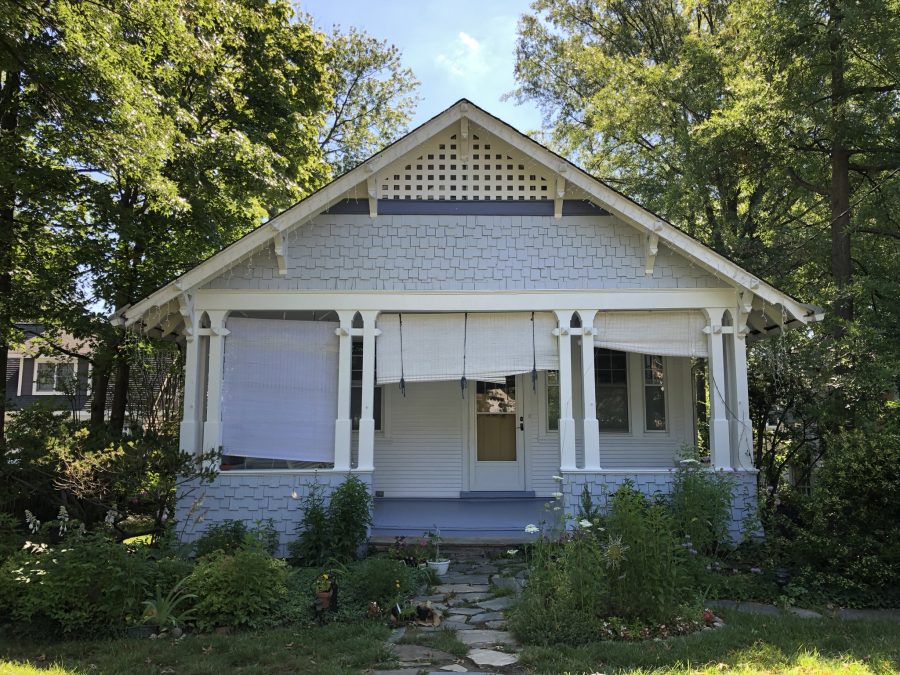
362, 183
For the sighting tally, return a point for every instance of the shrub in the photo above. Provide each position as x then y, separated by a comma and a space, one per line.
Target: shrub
245, 589
844, 544
232, 535
630, 565
701, 507
11, 536
334, 532
88, 584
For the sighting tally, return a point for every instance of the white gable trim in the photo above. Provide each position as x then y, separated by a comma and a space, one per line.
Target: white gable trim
464, 111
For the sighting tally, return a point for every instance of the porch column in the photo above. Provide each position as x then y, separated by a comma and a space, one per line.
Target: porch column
212, 428
740, 405
588, 392
566, 422
343, 425
719, 441
366, 455
190, 421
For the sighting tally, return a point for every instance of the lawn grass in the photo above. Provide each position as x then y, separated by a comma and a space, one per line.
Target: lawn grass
747, 644
336, 649
444, 640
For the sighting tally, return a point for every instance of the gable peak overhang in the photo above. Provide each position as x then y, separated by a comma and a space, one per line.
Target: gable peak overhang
537, 174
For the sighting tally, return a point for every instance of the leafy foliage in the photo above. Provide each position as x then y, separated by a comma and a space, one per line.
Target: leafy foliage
229, 536
87, 585
246, 589
311, 547
701, 507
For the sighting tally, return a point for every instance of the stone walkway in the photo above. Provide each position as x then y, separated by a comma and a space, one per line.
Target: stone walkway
771, 610
472, 598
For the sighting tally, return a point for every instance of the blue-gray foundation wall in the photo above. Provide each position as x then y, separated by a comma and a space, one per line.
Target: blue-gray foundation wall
250, 497
602, 485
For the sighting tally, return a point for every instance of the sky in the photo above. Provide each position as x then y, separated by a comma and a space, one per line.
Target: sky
457, 49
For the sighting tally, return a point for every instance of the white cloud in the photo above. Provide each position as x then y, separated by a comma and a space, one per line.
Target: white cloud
466, 59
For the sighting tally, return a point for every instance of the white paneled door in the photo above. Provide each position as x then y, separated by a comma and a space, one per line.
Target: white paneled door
497, 456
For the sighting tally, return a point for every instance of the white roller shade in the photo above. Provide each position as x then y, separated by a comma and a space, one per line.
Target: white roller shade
666, 333
494, 344
279, 391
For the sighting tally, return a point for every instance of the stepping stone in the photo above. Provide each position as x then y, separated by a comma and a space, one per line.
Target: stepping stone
496, 603
397, 635
429, 598
416, 654
456, 625
395, 671
804, 613
462, 588
465, 578
489, 657
454, 668
464, 598
481, 638
510, 583
487, 616
468, 611
496, 625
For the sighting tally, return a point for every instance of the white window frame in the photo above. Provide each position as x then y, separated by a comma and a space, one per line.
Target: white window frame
55, 361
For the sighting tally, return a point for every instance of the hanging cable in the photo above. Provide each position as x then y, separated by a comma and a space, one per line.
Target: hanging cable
463, 382
402, 378
533, 357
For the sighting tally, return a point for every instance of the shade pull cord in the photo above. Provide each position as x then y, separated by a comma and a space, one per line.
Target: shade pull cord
402, 378
463, 382
533, 357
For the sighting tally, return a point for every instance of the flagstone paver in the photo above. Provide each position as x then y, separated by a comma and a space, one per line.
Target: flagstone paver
496, 603
483, 638
462, 588
486, 616
489, 657
416, 654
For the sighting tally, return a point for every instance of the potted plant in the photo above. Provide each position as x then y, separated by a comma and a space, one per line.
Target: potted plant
435, 561
324, 592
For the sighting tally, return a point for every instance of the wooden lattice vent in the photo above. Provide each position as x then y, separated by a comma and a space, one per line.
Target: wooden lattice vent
494, 171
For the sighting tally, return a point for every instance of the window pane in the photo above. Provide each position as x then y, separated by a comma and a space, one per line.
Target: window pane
65, 373
653, 370
612, 408
493, 398
552, 400
46, 377
655, 405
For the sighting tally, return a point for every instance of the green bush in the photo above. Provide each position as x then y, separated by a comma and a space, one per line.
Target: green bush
11, 536
628, 566
229, 536
334, 532
245, 589
844, 542
701, 507
86, 585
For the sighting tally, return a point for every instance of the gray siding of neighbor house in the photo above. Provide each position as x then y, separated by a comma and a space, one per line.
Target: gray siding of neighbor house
464, 252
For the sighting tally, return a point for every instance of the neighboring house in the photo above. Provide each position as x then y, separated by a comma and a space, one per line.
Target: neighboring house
48, 369
458, 321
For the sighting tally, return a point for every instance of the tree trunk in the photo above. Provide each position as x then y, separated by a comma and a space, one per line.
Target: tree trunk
99, 386
120, 393
841, 265
9, 124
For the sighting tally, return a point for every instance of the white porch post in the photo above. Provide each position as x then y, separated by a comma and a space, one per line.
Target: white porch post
212, 428
343, 425
190, 420
566, 422
588, 392
719, 436
741, 399
366, 455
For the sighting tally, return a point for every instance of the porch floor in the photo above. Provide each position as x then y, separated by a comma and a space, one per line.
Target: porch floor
470, 520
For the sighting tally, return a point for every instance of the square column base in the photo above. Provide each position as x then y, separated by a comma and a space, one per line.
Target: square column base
567, 460
343, 430
366, 458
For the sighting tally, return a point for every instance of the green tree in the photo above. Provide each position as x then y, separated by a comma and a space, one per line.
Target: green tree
374, 98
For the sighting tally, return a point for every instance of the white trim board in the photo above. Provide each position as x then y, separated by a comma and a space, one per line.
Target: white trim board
354, 184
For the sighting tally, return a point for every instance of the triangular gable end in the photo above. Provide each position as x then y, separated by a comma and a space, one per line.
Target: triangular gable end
464, 154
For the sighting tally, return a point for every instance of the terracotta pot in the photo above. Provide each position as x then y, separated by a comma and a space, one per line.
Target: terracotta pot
323, 600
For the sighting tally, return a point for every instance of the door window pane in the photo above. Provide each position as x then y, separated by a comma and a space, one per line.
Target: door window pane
495, 409
552, 400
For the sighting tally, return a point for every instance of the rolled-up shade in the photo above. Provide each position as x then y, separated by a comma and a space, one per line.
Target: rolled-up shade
665, 333
494, 345
279, 390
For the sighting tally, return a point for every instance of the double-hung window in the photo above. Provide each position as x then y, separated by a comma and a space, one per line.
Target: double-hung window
654, 394
611, 380
356, 389
54, 377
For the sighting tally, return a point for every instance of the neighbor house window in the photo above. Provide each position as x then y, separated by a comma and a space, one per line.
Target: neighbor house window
54, 377
611, 379
552, 400
356, 390
654, 394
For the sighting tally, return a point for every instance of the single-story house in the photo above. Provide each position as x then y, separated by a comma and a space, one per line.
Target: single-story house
473, 326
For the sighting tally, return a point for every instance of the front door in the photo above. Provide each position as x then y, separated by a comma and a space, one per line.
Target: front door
497, 458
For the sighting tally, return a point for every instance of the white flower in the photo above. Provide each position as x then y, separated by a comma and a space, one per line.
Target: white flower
33, 523
558, 479
532, 529
512, 551
556, 495
111, 516
584, 522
